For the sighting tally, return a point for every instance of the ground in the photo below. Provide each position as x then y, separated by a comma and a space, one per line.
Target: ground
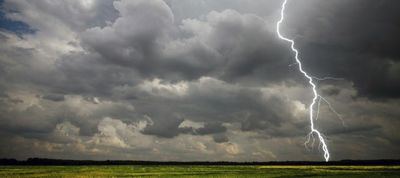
200, 171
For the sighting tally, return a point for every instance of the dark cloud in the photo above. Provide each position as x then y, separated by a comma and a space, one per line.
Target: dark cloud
197, 80
330, 90
167, 128
349, 40
210, 128
54, 97
220, 138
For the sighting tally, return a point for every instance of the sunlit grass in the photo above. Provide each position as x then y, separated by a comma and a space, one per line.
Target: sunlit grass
200, 171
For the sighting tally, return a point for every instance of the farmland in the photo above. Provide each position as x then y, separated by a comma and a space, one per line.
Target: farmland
199, 171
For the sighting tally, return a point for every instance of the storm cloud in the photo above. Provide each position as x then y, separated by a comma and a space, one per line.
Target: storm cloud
196, 80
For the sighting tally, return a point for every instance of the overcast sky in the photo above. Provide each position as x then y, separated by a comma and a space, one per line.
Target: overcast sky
197, 80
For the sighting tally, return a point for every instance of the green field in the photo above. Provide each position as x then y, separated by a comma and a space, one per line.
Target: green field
200, 171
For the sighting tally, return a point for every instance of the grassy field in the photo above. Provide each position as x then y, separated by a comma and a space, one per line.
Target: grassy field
200, 171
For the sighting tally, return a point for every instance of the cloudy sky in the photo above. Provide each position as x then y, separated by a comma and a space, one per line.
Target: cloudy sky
197, 80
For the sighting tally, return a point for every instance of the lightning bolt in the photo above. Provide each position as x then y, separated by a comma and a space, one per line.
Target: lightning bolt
310, 81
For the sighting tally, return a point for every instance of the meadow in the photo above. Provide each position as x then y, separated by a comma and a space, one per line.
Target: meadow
201, 171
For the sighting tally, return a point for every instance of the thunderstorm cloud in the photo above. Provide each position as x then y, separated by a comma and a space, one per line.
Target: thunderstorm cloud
196, 80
